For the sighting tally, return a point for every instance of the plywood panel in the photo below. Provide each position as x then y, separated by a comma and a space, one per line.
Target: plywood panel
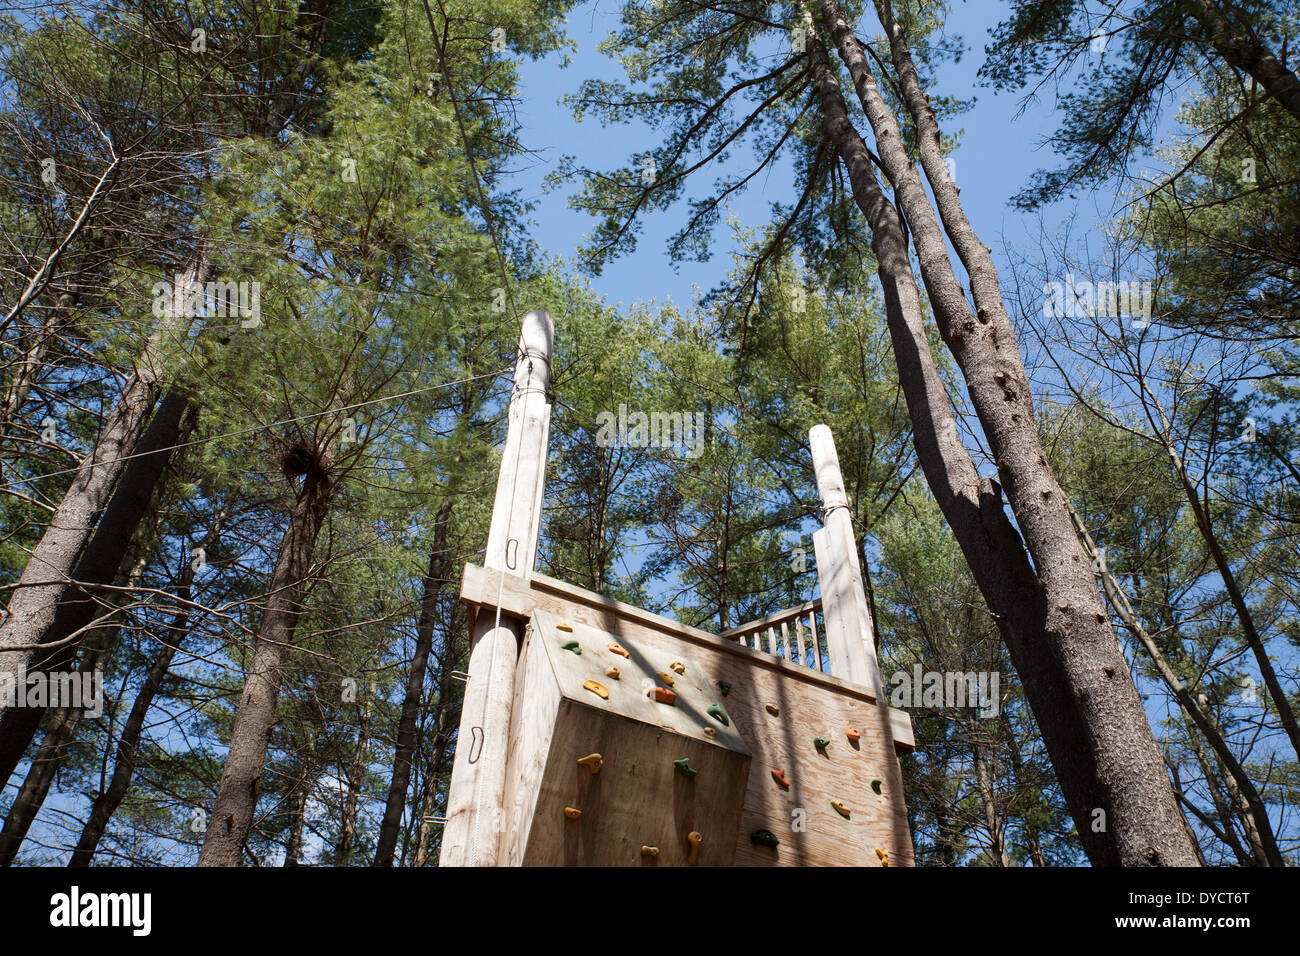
482, 586
808, 705
638, 797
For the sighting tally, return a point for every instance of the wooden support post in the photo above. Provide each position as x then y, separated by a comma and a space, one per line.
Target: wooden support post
478, 776
846, 618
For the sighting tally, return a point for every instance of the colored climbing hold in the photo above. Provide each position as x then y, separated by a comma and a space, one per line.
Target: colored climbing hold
724, 688
649, 851
596, 688
666, 677
617, 648
840, 808
677, 666
710, 732
875, 785
717, 713
564, 627
592, 762
612, 673
764, 838
853, 734
779, 777
684, 767
572, 813
572, 646
884, 856
694, 838
662, 695
821, 743
773, 709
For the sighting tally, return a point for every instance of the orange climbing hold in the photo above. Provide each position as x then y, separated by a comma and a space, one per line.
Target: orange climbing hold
572, 813
779, 777
649, 851
662, 695
617, 648
772, 709
853, 734
694, 838
592, 762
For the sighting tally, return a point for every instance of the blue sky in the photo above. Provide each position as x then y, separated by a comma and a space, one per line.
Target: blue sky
997, 155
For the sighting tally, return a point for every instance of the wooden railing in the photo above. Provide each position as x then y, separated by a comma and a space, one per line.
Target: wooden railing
794, 634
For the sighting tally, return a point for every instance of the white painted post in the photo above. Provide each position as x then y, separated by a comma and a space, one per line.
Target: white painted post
846, 618
478, 776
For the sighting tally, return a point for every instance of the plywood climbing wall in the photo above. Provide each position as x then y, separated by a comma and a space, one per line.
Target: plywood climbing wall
619, 756
778, 714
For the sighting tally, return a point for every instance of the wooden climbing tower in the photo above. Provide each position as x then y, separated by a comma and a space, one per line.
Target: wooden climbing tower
595, 733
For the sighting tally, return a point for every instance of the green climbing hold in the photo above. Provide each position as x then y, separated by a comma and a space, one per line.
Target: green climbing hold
718, 714
875, 785
684, 767
572, 646
724, 687
764, 838
821, 743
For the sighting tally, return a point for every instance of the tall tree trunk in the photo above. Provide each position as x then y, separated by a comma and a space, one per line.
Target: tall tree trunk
50, 755
992, 816
126, 757
53, 563
1058, 635
1246, 52
351, 798
78, 601
298, 817
447, 718
406, 728
241, 777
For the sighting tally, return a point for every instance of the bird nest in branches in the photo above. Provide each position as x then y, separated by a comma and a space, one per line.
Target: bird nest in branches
301, 458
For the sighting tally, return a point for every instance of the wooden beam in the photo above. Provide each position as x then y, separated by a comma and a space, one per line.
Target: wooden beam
472, 834
845, 615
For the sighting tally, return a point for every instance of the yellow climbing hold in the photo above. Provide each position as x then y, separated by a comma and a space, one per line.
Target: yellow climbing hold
710, 732
592, 762
678, 667
773, 709
612, 673
840, 808
884, 856
564, 627
649, 851
596, 688
572, 813
666, 677
694, 838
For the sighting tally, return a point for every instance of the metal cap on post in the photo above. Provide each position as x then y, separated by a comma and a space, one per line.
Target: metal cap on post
846, 617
